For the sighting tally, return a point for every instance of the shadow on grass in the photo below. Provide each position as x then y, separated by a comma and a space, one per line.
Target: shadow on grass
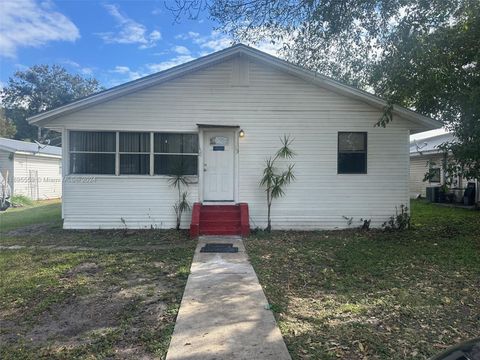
353, 294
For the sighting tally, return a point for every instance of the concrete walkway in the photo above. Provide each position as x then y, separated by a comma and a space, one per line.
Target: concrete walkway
223, 314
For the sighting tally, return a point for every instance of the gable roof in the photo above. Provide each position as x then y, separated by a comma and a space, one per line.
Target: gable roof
425, 123
29, 148
429, 146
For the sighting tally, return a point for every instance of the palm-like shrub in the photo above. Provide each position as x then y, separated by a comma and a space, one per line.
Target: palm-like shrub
275, 180
179, 182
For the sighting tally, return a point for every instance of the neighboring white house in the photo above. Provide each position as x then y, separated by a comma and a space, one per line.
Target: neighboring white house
425, 154
120, 145
33, 170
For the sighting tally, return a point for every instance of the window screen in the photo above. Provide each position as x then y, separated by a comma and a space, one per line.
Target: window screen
134, 150
352, 152
175, 154
92, 152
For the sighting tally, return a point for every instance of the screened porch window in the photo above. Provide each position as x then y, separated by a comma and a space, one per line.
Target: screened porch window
134, 152
97, 152
92, 152
175, 154
352, 153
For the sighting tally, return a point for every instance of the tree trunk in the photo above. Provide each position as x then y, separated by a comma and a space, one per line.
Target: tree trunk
269, 204
179, 214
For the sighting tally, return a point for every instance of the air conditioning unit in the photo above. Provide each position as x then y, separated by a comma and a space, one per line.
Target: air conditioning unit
433, 193
469, 195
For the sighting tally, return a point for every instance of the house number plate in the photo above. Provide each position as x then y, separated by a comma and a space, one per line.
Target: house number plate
219, 148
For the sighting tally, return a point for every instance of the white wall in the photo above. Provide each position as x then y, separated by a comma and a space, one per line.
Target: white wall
418, 169
6, 165
273, 104
49, 177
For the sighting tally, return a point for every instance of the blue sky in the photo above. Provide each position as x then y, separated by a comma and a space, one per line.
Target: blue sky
113, 41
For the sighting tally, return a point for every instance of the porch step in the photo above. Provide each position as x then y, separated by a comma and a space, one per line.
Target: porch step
222, 232
218, 215
219, 220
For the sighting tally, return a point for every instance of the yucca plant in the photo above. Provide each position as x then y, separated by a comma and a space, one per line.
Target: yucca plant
179, 181
275, 181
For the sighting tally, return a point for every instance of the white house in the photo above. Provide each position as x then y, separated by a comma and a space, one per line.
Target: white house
33, 170
425, 154
119, 146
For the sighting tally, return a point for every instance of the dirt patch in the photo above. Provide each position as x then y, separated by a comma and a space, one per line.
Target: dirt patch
89, 268
34, 229
81, 319
71, 322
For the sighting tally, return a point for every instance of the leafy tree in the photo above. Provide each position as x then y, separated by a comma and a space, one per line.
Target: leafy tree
7, 128
438, 74
41, 88
340, 38
420, 54
275, 181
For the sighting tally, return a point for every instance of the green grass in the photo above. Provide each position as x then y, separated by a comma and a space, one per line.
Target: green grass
116, 294
47, 211
353, 294
21, 200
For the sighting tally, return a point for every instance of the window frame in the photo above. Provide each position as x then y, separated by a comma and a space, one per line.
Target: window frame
117, 152
365, 135
176, 153
120, 153
70, 152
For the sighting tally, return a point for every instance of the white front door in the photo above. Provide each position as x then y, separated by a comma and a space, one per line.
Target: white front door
218, 165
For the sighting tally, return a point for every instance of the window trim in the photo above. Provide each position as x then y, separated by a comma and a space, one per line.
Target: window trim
365, 135
178, 154
117, 152
70, 152
120, 153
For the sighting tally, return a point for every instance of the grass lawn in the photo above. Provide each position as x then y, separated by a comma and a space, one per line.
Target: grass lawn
94, 295
376, 295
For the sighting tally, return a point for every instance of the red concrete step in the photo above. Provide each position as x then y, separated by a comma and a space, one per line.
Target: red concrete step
219, 215
221, 232
223, 208
219, 220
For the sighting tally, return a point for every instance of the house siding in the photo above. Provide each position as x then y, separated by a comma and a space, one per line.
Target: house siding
49, 177
6, 165
273, 104
418, 169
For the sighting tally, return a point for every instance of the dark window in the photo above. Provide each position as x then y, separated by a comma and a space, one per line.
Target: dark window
175, 154
92, 152
176, 143
352, 153
435, 175
134, 150
176, 164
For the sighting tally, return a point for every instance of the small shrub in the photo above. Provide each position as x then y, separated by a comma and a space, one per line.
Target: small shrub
399, 221
366, 224
348, 219
21, 200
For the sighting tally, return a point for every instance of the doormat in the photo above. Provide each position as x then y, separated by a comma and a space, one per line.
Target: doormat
219, 248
